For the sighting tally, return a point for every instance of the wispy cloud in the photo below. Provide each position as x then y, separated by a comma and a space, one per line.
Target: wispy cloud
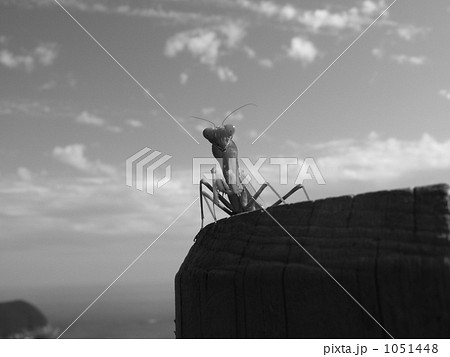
131, 10
251, 54
59, 81
44, 54
90, 119
315, 20
74, 156
411, 32
376, 159
445, 93
134, 123
380, 53
184, 77
51, 84
354, 18
87, 118
114, 128
208, 110
90, 205
33, 108
411, 60
24, 174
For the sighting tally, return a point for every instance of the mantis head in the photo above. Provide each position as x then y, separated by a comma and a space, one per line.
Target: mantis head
220, 136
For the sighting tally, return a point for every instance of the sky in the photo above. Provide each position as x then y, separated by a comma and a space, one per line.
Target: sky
372, 114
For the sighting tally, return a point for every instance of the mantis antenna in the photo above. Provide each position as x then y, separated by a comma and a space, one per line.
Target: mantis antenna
209, 121
234, 111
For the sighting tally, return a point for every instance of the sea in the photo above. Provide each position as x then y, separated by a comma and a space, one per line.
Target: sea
123, 311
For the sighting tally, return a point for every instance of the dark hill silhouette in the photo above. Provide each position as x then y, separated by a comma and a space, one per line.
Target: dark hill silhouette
18, 317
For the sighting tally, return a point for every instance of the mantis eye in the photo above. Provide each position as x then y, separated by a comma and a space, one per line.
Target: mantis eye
208, 133
229, 129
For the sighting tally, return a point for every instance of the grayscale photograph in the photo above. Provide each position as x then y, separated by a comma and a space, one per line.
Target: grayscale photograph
226, 169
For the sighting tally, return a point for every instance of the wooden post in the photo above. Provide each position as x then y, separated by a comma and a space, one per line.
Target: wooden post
246, 278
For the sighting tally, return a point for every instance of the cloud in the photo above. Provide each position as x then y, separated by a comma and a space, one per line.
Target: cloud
326, 18
10, 60
74, 156
202, 43
90, 119
208, 45
32, 108
48, 85
44, 54
265, 62
93, 206
332, 145
253, 134
24, 174
208, 110
134, 123
320, 19
410, 32
445, 93
114, 129
302, 50
251, 54
86, 118
376, 159
226, 74
130, 10
411, 60
313, 20
159, 13
380, 53
184, 78
288, 12
234, 33
58, 81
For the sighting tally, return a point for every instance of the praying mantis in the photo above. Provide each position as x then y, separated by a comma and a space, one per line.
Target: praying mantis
242, 197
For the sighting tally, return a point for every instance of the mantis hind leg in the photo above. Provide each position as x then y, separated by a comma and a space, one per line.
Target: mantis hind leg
280, 199
290, 193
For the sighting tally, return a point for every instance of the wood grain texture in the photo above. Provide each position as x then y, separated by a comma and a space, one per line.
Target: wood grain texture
246, 278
